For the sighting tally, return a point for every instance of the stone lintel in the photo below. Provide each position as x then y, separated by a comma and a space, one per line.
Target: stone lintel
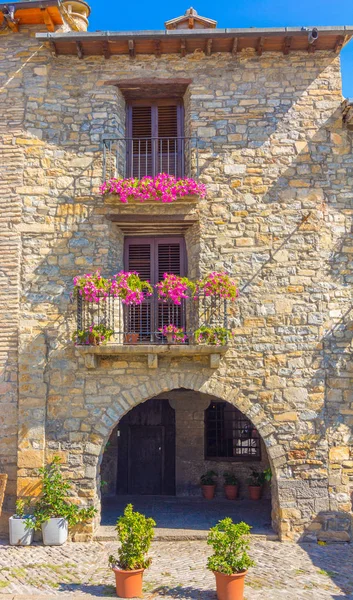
91, 353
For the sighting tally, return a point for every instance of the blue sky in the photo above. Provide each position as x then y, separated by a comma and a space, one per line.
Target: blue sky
151, 14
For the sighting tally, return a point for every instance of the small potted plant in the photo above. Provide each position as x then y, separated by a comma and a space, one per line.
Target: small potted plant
93, 336
131, 338
135, 534
256, 482
53, 512
230, 559
214, 336
208, 484
173, 334
21, 525
231, 484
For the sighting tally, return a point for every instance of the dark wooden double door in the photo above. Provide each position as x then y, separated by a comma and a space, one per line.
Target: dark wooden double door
146, 450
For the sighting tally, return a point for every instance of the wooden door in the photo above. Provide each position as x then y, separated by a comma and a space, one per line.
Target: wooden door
146, 449
146, 459
151, 258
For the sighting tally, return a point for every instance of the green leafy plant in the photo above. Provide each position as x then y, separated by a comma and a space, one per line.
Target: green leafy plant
135, 533
93, 336
53, 502
230, 543
230, 478
208, 478
215, 336
258, 478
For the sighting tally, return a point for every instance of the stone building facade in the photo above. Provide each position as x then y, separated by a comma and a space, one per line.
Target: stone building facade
275, 153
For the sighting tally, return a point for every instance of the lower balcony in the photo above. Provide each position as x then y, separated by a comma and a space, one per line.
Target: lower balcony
199, 327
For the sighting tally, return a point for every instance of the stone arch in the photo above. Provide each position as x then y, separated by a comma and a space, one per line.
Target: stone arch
111, 416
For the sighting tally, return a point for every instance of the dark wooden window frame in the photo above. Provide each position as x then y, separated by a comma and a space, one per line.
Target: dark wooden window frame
155, 241
238, 422
154, 153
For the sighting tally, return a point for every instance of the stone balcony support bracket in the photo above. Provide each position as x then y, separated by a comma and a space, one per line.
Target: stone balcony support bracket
91, 354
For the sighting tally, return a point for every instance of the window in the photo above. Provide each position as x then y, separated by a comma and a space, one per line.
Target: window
155, 138
151, 258
229, 435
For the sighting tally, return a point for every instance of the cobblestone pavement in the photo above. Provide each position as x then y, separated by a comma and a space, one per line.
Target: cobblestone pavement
283, 571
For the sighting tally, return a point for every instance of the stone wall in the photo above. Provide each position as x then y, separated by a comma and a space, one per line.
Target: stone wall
278, 165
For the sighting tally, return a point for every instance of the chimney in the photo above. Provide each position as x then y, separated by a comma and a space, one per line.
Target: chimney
79, 12
190, 20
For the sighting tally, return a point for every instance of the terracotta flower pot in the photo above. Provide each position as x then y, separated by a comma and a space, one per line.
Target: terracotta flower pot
231, 492
208, 491
93, 341
230, 587
128, 583
255, 492
131, 338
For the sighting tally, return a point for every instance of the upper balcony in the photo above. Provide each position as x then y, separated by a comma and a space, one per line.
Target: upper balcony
148, 156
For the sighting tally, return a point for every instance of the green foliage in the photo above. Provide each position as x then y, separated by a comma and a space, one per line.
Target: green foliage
215, 336
258, 478
230, 543
21, 507
208, 478
95, 334
53, 502
135, 533
230, 478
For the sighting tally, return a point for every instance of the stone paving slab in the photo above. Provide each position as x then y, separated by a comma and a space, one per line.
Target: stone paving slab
79, 571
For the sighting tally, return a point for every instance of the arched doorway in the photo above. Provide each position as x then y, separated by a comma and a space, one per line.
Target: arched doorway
161, 447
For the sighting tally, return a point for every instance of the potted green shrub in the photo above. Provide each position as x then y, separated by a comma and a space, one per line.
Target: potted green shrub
21, 525
53, 512
135, 534
256, 482
231, 484
230, 559
208, 484
93, 336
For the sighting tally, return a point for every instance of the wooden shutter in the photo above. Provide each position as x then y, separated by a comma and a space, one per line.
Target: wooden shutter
139, 258
154, 131
151, 258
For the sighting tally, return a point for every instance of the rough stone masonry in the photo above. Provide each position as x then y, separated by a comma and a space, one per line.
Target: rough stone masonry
278, 165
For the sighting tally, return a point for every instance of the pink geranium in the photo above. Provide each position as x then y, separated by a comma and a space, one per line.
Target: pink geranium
173, 288
162, 187
219, 284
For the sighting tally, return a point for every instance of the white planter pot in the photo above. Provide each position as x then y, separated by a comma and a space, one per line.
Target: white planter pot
19, 535
55, 532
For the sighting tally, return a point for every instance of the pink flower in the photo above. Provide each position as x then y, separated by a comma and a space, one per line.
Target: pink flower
162, 187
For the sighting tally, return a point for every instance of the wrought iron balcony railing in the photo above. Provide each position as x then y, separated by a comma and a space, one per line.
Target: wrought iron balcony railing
142, 323
138, 157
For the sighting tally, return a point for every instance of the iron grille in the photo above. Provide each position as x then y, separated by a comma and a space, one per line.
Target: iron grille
146, 319
138, 157
229, 435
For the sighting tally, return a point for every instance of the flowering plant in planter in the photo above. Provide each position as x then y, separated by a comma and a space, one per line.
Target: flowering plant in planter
92, 287
130, 288
174, 332
215, 336
93, 336
162, 187
174, 288
219, 284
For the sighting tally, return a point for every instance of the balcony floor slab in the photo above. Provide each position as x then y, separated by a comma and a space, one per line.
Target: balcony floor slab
91, 354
